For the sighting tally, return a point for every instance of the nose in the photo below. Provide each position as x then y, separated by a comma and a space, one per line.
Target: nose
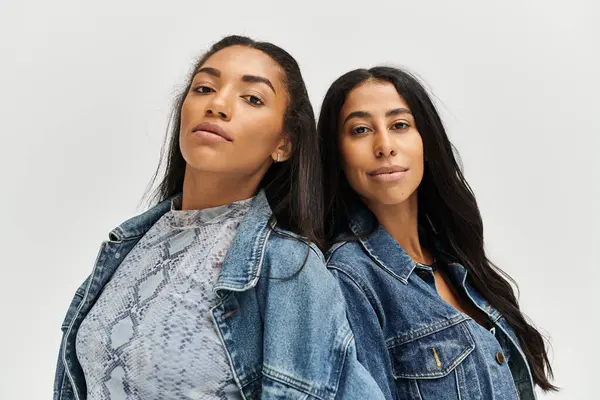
383, 145
219, 107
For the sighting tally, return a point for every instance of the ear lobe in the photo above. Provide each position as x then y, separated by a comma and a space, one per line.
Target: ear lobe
284, 149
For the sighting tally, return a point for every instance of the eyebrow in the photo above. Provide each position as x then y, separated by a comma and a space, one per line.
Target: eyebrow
258, 79
246, 78
211, 71
365, 114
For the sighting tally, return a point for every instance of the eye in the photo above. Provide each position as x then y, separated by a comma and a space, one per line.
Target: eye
400, 125
359, 130
253, 100
203, 89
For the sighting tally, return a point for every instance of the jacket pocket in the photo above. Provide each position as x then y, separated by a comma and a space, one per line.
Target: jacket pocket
428, 365
434, 354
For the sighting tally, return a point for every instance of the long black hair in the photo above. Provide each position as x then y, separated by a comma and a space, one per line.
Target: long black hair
448, 213
290, 187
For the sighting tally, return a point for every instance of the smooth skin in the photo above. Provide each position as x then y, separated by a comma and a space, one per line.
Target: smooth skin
241, 90
383, 160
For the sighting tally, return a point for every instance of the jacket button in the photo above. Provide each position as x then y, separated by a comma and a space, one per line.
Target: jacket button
500, 357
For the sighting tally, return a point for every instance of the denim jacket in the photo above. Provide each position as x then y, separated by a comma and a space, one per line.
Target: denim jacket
284, 338
416, 345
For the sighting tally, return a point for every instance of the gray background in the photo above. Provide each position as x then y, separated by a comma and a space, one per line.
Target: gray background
85, 91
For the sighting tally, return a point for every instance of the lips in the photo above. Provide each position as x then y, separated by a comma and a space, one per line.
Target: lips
212, 128
388, 170
390, 173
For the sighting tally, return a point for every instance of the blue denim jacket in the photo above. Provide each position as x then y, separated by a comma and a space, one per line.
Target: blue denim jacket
416, 345
284, 338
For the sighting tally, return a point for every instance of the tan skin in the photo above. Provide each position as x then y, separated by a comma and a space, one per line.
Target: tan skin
240, 90
378, 130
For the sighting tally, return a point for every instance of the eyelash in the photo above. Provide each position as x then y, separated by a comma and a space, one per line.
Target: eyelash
248, 97
198, 89
406, 125
355, 133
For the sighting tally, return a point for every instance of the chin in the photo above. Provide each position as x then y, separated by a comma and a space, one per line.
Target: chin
205, 164
210, 166
202, 157
390, 201
388, 197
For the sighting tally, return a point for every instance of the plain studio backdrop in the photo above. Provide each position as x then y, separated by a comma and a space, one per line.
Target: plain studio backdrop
86, 90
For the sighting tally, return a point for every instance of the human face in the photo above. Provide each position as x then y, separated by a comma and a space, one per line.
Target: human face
381, 149
232, 116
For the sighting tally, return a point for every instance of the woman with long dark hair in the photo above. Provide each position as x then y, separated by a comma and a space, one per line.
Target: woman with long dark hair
432, 316
220, 291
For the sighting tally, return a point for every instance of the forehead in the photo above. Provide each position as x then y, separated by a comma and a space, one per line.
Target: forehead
236, 61
375, 97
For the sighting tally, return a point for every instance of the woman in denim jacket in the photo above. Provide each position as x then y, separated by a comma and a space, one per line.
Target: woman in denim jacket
432, 316
220, 290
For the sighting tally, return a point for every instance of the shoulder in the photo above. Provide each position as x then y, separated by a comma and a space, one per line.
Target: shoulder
357, 274
349, 258
287, 253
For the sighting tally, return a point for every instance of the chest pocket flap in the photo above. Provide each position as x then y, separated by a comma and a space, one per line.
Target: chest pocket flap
432, 355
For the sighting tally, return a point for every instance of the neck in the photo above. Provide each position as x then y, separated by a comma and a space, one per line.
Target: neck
206, 189
401, 222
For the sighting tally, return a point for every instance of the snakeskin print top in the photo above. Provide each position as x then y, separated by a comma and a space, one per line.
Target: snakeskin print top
150, 334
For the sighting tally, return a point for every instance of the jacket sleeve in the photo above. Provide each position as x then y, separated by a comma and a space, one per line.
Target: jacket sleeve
371, 347
59, 376
62, 386
308, 347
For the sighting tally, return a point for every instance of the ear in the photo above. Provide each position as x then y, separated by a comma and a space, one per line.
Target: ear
284, 149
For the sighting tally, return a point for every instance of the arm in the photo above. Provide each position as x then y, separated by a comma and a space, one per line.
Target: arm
371, 347
308, 347
62, 386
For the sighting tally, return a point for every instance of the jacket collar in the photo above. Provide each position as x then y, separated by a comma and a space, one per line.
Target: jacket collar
243, 262
388, 254
384, 249
380, 246
241, 268
137, 226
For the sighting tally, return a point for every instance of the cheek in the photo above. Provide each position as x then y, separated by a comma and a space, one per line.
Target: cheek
355, 160
183, 123
353, 154
417, 156
189, 114
413, 151
258, 136
187, 111
260, 132
254, 148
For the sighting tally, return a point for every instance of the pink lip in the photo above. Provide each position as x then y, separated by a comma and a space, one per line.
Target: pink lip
206, 129
388, 174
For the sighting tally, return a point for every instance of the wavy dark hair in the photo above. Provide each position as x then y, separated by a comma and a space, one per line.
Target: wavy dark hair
296, 200
449, 218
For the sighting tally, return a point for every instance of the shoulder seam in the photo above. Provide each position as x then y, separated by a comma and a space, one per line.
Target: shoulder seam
357, 282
